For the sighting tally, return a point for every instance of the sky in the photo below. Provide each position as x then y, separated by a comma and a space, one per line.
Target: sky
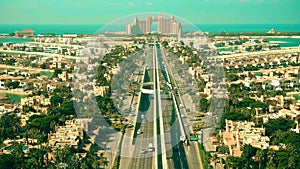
105, 11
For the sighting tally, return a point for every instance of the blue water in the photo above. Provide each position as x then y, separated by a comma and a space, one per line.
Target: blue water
285, 42
16, 40
57, 29
248, 27
10, 148
90, 29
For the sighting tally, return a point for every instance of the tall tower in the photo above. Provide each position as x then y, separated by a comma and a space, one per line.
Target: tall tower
136, 20
159, 23
167, 26
172, 18
179, 30
148, 24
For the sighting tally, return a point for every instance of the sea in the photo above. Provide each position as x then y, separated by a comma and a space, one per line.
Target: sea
285, 42
100, 28
90, 29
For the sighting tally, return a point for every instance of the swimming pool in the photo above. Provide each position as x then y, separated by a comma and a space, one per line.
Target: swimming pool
11, 147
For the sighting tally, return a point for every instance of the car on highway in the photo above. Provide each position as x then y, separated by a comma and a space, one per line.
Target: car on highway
150, 148
182, 138
129, 125
139, 131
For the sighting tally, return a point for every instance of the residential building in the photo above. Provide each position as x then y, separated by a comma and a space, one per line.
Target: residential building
239, 133
66, 135
25, 33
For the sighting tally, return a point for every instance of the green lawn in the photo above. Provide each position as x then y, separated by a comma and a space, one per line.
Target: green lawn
205, 163
258, 73
15, 97
45, 73
297, 97
227, 49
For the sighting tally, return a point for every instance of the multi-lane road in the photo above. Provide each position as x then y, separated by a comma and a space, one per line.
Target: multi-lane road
158, 124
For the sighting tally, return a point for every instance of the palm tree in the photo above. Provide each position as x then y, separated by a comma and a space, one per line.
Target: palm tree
292, 154
37, 156
92, 160
214, 159
26, 137
47, 149
260, 157
271, 159
104, 161
233, 162
84, 164
75, 161
115, 115
18, 153
95, 164
291, 161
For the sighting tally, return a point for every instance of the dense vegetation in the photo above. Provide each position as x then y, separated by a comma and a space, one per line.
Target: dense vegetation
241, 106
61, 109
38, 127
287, 158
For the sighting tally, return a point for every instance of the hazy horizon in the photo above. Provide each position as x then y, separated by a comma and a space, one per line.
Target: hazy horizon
195, 11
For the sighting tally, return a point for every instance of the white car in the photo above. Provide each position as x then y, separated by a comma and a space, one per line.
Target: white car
151, 148
139, 131
143, 151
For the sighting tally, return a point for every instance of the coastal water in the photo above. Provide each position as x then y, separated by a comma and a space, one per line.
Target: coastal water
16, 40
285, 42
248, 27
90, 29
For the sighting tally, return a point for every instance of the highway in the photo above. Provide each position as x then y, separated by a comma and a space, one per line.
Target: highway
170, 128
147, 127
189, 156
163, 163
158, 123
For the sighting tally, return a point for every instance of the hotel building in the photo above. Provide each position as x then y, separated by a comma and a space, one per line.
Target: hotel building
167, 26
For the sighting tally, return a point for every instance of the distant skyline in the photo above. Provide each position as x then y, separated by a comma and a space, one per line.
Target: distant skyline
195, 11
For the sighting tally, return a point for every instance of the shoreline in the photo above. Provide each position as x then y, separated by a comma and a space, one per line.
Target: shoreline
216, 34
